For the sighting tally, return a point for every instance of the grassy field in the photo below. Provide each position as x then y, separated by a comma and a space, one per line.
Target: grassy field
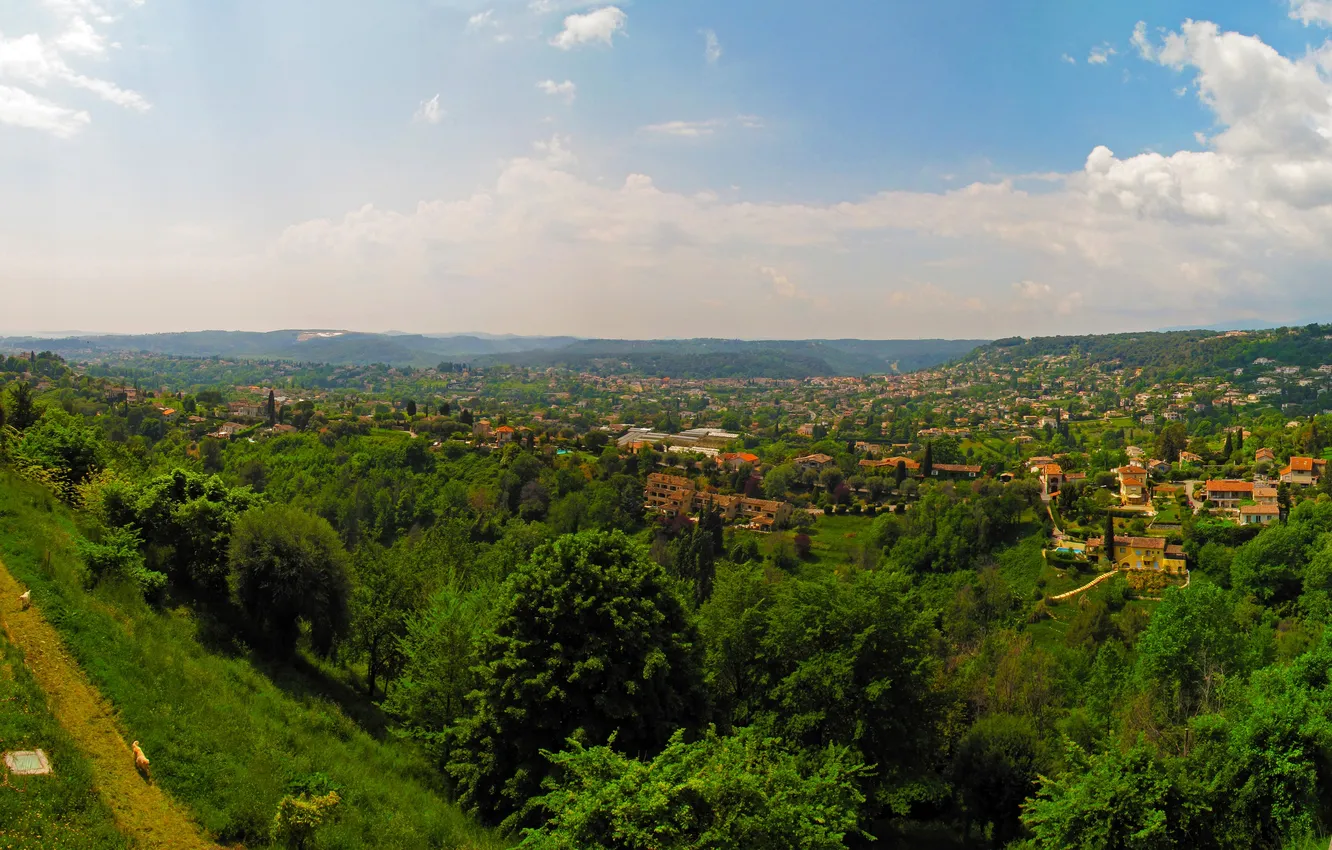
834, 540
61, 811
226, 733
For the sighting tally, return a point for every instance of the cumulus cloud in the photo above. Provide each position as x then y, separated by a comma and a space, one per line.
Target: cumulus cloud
1064, 57
1101, 55
1032, 290
600, 26
429, 112
565, 90
712, 50
1312, 11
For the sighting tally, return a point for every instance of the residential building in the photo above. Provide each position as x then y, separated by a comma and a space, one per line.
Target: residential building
673, 495
1133, 485
1228, 493
669, 494
1142, 553
735, 460
1304, 471
1189, 457
1264, 455
505, 434
1052, 478
816, 462
1258, 514
1264, 495
890, 463
955, 470
229, 429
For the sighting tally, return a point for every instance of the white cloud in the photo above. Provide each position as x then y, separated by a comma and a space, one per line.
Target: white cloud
1031, 290
19, 108
555, 151
686, 129
750, 122
80, 38
429, 112
712, 50
1064, 57
1140, 41
566, 90
1101, 55
1311, 11
31, 60
597, 26
481, 20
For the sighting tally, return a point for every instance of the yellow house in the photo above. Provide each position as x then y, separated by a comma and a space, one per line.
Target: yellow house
1142, 553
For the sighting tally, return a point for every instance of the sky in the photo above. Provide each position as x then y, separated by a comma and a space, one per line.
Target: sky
753, 168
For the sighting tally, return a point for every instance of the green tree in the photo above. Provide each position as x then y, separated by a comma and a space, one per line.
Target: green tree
590, 639
64, 444
738, 791
1109, 538
1188, 649
927, 463
411, 407
290, 569
995, 767
386, 591
1114, 801
22, 405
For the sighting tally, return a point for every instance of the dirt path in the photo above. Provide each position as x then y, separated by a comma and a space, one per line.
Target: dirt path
142, 810
1089, 585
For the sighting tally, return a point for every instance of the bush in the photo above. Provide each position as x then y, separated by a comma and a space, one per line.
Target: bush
117, 556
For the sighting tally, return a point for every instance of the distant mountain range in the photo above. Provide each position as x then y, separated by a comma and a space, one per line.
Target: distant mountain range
685, 358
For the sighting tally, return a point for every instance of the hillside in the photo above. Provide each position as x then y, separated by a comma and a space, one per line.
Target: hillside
696, 358
1179, 354
229, 757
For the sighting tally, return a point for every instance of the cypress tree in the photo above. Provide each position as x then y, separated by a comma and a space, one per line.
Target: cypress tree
927, 463
1110, 537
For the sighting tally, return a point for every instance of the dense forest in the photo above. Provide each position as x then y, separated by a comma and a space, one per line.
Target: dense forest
577, 673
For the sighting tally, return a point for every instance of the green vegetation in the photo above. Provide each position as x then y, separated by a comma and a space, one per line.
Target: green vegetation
229, 733
59, 811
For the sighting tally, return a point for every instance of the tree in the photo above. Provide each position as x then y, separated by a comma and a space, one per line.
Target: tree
22, 406
927, 463
290, 569
1109, 534
210, 454
900, 473
589, 640
1173, 439
411, 407
742, 791
272, 409
385, 594
1189, 648
995, 768
1124, 801
64, 444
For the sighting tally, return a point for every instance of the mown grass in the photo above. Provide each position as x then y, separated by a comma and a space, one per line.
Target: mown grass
60, 811
226, 739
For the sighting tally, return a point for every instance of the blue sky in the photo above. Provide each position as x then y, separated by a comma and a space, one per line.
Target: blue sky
646, 169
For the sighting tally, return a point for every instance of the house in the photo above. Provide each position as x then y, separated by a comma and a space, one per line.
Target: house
955, 470
229, 429
1265, 495
1304, 471
505, 434
735, 460
481, 429
1142, 553
1189, 457
1133, 485
1258, 514
889, 464
1157, 467
283, 428
1134, 452
1264, 455
1149, 421
1039, 463
806, 430
1228, 493
817, 462
1052, 478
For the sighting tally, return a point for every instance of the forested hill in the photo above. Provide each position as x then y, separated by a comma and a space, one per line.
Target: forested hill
1176, 354
306, 346
685, 358
730, 358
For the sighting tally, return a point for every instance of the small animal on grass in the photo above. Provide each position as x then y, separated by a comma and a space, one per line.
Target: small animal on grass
140, 760
25, 599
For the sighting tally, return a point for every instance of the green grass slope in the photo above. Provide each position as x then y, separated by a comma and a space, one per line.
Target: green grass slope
60, 811
226, 738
